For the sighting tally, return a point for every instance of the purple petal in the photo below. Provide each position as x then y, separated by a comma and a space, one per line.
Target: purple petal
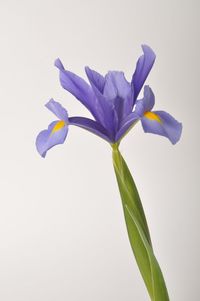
148, 99
106, 112
97, 79
118, 90
91, 126
59, 64
116, 85
56, 108
51, 137
143, 67
126, 126
167, 126
79, 88
146, 103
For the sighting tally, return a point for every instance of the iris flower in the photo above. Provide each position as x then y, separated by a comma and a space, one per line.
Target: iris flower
113, 103
115, 107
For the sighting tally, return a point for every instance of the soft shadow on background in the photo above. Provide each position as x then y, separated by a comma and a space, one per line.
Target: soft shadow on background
62, 231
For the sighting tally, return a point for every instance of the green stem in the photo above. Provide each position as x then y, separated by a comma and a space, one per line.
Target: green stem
138, 231
130, 190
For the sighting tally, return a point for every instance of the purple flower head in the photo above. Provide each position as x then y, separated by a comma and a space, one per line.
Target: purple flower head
112, 101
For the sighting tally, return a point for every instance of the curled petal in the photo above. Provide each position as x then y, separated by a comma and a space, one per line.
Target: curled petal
91, 126
56, 108
143, 67
162, 123
55, 134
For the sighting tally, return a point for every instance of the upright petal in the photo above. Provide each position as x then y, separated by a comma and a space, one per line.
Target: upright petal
56, 108
91, 126
96, 78
162, 123
107, 116
116, 85
55, 134
149, 99
79, 88
145, 104
143, 67
118, 90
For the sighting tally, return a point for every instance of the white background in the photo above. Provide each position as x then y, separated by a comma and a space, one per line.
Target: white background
62, 231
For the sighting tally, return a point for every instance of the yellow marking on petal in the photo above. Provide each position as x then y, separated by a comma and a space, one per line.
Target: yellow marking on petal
152, 116
58, 126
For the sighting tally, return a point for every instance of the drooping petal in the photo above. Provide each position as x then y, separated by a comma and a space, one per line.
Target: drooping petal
146, 103
56, 108
127, 124
55, 134
162, 123
118, 90
96, 78
91, 126
143, 67
79, 88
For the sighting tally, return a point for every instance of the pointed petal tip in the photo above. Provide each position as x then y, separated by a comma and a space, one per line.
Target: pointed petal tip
51, 100
87, 70
147, 90
58, 64
90, 72
42, 155
148, 50
38, 148
143, 67
149, 98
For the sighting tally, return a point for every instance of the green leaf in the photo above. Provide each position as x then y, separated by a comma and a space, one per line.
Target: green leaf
138, 231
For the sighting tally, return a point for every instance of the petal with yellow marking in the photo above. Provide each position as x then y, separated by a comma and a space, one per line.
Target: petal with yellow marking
152, 116
58, 126
54, 135
163, 124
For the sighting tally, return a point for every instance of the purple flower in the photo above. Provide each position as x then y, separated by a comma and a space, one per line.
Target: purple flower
112, 101
57, 130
